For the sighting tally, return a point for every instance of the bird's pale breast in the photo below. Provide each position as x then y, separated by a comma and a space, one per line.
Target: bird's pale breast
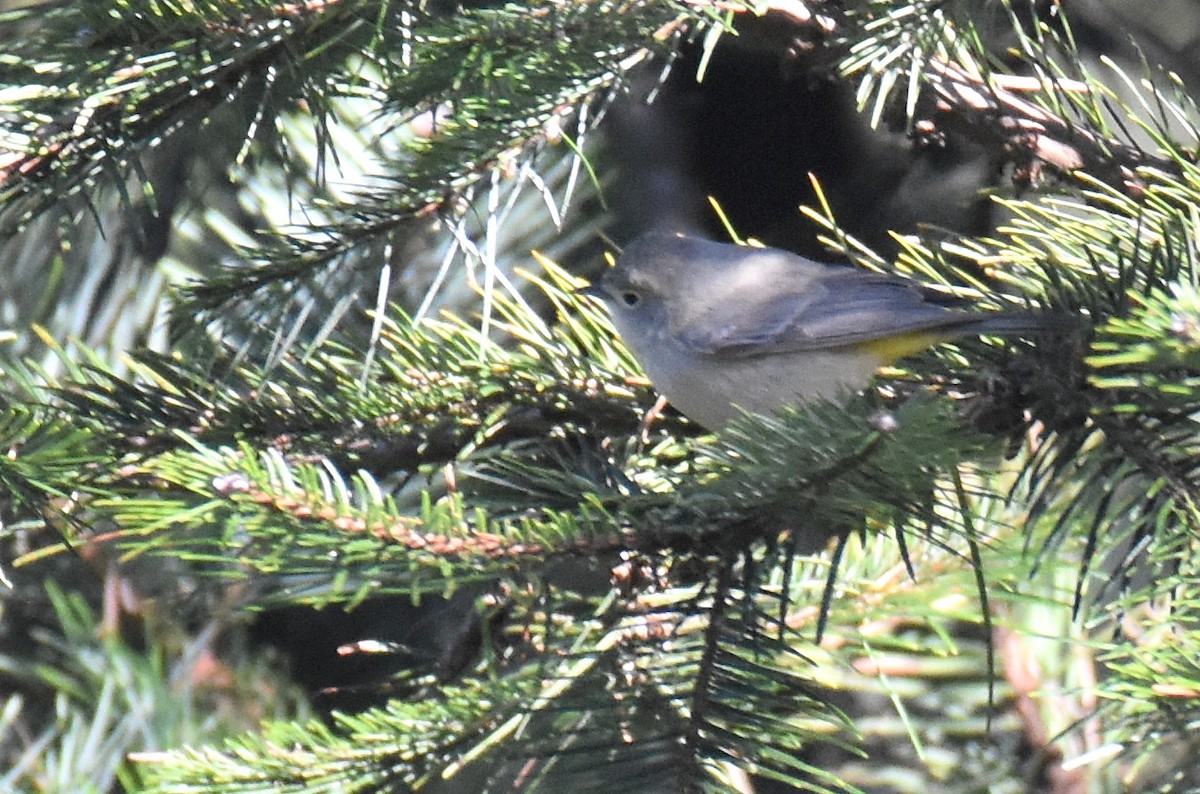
706, 389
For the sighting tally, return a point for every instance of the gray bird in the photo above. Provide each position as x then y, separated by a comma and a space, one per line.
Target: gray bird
717, 325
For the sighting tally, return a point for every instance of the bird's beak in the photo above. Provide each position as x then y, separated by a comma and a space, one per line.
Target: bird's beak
592, 291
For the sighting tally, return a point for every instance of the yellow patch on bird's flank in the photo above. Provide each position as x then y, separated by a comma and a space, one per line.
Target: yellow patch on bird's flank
890, 348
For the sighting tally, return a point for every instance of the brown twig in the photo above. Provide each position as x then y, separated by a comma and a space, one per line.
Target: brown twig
988, 109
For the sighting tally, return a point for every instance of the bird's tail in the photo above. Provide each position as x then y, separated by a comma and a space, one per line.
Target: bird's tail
1023, 323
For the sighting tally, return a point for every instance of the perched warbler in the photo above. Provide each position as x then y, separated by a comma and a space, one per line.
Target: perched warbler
717, 325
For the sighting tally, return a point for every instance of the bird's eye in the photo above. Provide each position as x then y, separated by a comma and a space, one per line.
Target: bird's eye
631, 298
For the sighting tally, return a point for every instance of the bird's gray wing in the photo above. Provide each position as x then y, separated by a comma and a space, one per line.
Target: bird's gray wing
840, 307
